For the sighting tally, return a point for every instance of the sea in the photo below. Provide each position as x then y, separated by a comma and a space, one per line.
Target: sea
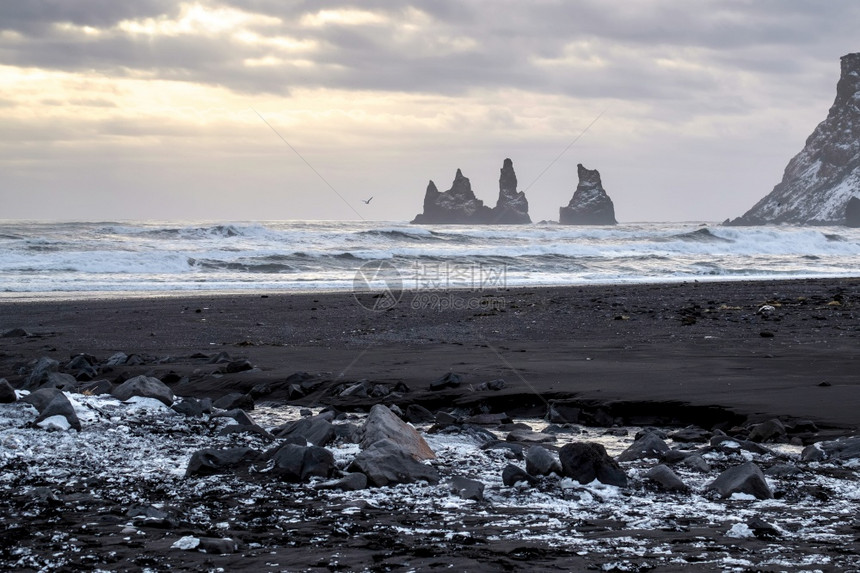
111, 259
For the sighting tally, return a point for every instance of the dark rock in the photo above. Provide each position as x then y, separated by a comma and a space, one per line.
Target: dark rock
220, 358
190, 407
820, 181
844, 449
512, 207
60, 381
494, 385
383, 424
444, 418
7, 393
15, 333
489, 419
300, 463
318, 430
782, 470
349, 482
512, 475
248, 429
96, 388
218, 545
590, 205
242, 418
40, 399
763, 530
360, 389
117, 359
418, 414
769, 431
745, 478
587, 461
666, 479
457, 205
145, 387
260, 391
648, 446
234, 400
237, 366
467, 488
146, 512
59, 405
39, 373
449, 380
512, 451
697, 463
852, 212
691, 434
530, 437
728, 444
386, 463
563, 414
540, 462
212, 461
82, 367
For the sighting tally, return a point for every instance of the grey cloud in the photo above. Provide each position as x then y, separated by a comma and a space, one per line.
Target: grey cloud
781, 38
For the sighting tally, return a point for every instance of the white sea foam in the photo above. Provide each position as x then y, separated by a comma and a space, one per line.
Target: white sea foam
309, 255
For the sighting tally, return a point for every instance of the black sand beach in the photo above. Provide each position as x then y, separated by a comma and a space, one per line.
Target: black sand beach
703, 344
670, 355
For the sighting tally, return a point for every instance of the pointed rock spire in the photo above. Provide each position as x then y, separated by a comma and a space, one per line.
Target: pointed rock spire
590, 205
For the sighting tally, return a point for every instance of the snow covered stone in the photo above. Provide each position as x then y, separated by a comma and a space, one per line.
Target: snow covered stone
745, 479
144, 387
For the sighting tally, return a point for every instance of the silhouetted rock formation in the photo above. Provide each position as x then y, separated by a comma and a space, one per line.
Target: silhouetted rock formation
512, 207
852, 212
458, 205
819, 182
590, 205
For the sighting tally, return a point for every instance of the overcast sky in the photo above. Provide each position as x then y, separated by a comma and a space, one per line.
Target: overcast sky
146, 109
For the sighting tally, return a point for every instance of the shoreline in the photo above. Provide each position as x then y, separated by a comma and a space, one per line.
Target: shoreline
700, 344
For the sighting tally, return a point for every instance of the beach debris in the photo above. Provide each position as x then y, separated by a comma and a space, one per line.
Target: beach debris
746, 478
588, 461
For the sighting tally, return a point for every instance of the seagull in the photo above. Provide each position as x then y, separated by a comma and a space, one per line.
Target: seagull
367, 201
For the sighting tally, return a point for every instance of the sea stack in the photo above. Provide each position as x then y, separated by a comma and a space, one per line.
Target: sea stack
590, 205
820, 182
459, 206
512, 207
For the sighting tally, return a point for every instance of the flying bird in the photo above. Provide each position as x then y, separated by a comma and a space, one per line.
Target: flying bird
367, 201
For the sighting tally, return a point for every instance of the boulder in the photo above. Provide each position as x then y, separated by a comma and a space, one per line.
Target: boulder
697, 463
691, 434
190, 407
296, 463
467, 488
590, 205
494, 385
212, 461
39, 373
745, 478
7, 393
727, 444
117, 359
540, 462
449, 380
234, 400
145, 387
530, 437
318, 430
844, 449
56, 405
82, 367
349, 482
418, 414
666, 479
15, 333
769, 431
60, 381
587, 461
512, 475
386, 463
383, 424
40, 399
648, 446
